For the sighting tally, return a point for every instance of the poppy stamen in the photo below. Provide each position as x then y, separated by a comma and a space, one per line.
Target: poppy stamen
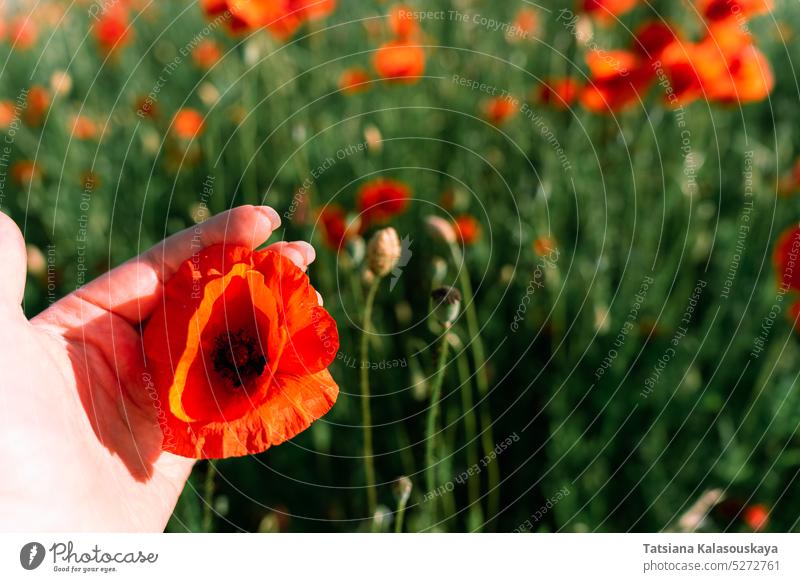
237, 357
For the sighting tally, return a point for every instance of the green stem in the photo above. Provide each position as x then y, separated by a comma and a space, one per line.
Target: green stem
401, 513
471, 429
208, 498
433, 415
481, 378
366, 413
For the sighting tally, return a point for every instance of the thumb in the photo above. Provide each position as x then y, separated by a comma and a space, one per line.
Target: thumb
13, 260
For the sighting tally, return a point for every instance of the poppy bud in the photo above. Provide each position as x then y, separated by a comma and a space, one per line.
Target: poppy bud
373, 138
446, 304
440, 229
383, 251
438, 270
402, 489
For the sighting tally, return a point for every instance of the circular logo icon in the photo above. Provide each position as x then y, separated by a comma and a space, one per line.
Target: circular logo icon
31, 555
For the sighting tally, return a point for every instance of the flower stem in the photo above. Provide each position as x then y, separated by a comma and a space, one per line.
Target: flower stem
481, 378
366, 413
401, 513
433, 415
471, 430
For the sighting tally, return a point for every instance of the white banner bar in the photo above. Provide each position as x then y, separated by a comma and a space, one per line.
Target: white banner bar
401, 558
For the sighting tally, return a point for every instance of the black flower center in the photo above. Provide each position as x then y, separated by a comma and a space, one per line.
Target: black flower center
237, 357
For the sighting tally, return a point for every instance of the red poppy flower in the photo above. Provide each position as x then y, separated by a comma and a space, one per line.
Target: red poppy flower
336, 228
402, 22
468, 229
355, 80
382, 199
23, 32
499, 110
652, 38
188, 124
206, 54
608, 10
526, 24
38, 103
756, 516
317, 9
786, 258
24, 172
544, 245
558, 93
8, 114
400, 61
218, 9
719, 10
618, 80
238, 351
84, 128
112, 30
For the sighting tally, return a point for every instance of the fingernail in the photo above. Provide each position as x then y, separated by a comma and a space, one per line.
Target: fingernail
273, 217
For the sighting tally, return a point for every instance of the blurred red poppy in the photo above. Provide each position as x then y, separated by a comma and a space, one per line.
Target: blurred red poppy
22, 32
24, 172
37, 104
756, 516
740, 10
381, 199
8, 114
468, 229
112, 29
355, 80
786, 258
619, 79
403, 22
238, 351
558, 93
206, 54
499, 110
607, 10
84, 128
336, 228
400, 61
187, 124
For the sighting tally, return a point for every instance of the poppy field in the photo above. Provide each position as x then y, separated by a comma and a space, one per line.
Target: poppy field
551, 281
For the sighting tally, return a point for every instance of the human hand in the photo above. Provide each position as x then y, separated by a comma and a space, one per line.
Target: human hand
80, 441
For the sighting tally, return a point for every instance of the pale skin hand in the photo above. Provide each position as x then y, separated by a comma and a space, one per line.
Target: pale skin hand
80, 437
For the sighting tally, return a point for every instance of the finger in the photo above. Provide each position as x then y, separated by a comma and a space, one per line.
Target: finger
133, 289
14, 262
300, 253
